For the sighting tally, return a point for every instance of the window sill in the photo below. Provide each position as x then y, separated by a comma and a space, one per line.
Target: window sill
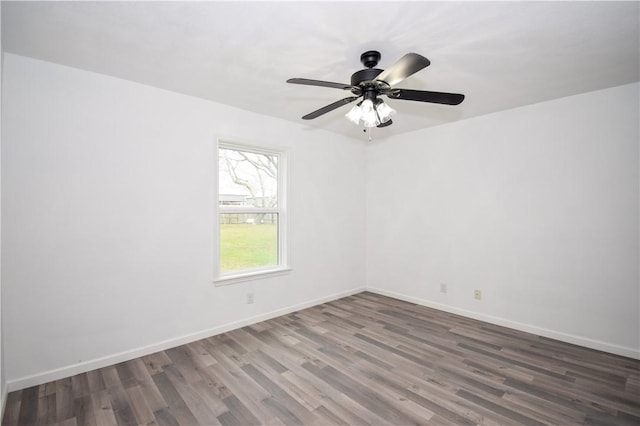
250, 276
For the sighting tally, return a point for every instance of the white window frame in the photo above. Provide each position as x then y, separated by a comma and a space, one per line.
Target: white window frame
281, 210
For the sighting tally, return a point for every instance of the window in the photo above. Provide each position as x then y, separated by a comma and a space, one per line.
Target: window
251, 212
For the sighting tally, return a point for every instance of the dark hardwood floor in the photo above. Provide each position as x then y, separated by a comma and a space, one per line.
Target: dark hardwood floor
364, 359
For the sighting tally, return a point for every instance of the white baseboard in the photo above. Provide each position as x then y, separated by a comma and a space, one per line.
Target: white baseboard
83, 367
552, 334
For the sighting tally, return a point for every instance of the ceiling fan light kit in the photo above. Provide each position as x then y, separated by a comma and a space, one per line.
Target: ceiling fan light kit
372, 82
372, 115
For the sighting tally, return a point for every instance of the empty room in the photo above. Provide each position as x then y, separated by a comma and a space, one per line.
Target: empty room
320, 213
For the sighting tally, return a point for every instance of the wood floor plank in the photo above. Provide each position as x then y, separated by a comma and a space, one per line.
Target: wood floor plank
437, 394
80, 385
64, 400
125, 374
200, 355
280, 399
47, 409
95, 381
176, 405
102, 408
327, 416
374, 402
84, 411
150, 392
556, 413
194, 401
141, 410
364, 359
28, 409
110, 377
120, 404
71, 422
156, 362
305, 389
164, 417
245, 394
209, 395
243, 413
348, 408
291, 389
12, 408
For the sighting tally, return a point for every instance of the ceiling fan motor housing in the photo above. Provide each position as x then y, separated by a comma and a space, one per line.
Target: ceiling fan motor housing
369, 59
368, 74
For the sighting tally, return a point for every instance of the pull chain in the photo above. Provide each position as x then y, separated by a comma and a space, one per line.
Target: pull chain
368, 132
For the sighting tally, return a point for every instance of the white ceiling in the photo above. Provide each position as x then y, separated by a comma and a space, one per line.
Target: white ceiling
501, 55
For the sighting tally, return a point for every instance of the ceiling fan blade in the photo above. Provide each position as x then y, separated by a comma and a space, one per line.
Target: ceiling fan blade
321, 83
330, 107
389, 122
425, 96
408, 65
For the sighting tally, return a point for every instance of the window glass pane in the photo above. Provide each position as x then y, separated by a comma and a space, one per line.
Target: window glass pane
248, 240
247, 179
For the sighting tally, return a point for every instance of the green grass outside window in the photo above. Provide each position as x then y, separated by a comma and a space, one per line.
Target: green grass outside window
248, 246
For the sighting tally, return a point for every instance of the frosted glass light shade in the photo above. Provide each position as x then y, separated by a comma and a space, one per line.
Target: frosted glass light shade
385, 112
354, 114
369, 116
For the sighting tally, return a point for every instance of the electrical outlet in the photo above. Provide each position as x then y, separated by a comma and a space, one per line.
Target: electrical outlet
249, 298
443, 288
477, 294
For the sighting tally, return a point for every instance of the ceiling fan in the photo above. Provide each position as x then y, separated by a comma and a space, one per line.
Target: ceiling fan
370, 83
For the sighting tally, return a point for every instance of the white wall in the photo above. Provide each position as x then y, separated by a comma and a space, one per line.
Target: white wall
108, 219
536, 206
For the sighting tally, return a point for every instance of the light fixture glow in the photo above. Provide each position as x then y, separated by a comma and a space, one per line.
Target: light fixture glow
372, 114
369, 116
354, 114
384, 112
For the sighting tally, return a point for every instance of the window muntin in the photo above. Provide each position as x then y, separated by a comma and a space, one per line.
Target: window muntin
251, 216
